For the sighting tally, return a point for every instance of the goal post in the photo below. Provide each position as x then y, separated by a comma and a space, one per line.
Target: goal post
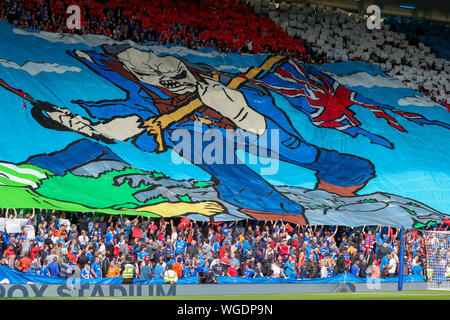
437, 269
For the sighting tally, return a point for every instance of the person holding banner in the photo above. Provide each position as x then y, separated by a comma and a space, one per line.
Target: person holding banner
53, 267
96, 269
44, 269
10, 251
24, 263
85, 273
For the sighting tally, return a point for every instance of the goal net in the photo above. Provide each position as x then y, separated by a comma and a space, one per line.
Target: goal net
437, 270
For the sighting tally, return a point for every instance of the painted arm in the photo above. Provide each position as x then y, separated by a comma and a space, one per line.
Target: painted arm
224, 99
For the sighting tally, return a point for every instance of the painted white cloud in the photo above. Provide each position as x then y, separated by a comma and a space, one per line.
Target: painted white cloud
92, 40
35, 68
229, 67
417, 100
363, 79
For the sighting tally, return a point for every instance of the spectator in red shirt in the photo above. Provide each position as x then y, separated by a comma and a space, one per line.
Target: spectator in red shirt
294, 241
284, 249
70, 256
152, 227
225, 260
224, 249
35, 250
10, 251
232, 270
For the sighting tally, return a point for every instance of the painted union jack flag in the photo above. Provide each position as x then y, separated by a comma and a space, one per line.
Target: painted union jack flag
327, 102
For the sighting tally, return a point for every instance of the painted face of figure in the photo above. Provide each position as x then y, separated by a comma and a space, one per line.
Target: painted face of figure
168, 72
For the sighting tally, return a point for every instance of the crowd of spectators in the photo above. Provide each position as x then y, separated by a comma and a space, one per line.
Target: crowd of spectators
431, 33
98, 245
438, 257
309, 33
344, 36
223, 25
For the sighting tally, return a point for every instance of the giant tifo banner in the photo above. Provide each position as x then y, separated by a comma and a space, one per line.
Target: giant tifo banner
90, 124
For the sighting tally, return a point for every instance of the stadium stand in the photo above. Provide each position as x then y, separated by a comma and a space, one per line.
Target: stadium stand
239, 249
266, 250
433, 34
224, 25
411, 52
312, 33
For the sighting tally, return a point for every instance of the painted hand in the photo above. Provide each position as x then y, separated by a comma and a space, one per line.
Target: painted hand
71, 121
155, 127
156, 124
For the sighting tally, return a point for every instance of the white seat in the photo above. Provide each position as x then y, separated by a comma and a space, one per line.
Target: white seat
428, 86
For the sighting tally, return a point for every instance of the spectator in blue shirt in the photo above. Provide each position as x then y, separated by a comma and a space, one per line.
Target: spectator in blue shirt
126, 227
180, 246
303, 271
187, 270
96, 231
44, 269
96, 269
234, 259
216, 246
324, 249
53, 267
90, 255
355, 269
142, 254
85, 273
206, 266
171, 260
159, 271
109, 239
249, 272
308, 248
198, 267
225, 228
417, 269
334, 252
75, 248
246, 245
384, 264
289, 268
146, 270
307, 237
30, 269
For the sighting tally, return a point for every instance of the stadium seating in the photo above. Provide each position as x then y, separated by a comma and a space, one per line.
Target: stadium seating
225, 25
344, 36
405, 49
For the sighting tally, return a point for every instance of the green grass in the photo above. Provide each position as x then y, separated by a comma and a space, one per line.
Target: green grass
25, 197
74, 193
387, 295
78, 193
97, 192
